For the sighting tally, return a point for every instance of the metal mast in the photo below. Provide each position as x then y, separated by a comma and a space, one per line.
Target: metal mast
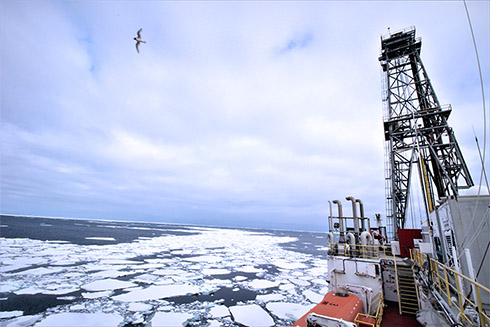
416, 130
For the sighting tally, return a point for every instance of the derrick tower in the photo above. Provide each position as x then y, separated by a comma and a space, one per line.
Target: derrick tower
416, 131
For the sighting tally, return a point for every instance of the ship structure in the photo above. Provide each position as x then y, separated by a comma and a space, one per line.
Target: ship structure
437, 275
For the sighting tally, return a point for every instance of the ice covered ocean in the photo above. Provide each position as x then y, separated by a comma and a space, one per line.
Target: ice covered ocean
70, 272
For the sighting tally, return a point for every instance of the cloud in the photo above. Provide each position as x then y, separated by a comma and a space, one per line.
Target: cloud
233, 113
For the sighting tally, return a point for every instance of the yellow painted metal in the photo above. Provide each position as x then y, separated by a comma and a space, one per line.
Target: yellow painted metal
447, 287
425, 182
361, 251
378, 316
451, 289
397, 286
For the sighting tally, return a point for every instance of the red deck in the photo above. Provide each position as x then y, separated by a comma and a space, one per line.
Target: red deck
392, 317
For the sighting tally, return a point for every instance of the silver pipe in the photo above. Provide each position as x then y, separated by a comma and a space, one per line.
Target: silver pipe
341, 220
354, 214
361, 210
330, 218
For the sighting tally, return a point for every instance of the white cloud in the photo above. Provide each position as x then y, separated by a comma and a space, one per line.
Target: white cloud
214, 118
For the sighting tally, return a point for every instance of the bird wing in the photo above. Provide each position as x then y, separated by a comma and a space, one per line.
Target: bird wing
137, 47
139, 33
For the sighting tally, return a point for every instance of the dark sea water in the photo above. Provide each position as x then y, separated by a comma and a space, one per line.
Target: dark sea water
69, 271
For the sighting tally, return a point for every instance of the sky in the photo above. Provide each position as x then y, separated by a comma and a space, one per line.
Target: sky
234, 113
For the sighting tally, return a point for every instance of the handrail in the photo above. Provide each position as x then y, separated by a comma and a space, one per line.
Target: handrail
448, 287
361, 251
378, 317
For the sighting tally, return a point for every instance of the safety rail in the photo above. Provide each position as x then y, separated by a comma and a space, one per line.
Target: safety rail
377, 316
360, 251
449, 281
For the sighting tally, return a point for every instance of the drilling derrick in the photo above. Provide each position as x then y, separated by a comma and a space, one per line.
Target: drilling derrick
416, 131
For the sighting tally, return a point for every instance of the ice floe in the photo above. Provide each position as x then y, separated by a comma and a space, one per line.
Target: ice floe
288, 311
100, 238
312, 296
215, 271
10, 314
170, 319
219, 311
107, 284
81, 320
137, 306
251, 315
269, 297
262, 283
24, 321
157, 292
95, 295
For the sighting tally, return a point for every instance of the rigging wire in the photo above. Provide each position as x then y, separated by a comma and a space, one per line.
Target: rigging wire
482, 157
482, 94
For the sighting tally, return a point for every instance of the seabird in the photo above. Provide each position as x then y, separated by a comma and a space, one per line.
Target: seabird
138, 40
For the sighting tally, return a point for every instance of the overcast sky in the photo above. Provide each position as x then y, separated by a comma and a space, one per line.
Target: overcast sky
234, 113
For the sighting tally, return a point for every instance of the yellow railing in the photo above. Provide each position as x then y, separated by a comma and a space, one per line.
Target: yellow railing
360, 251
448, 282
377, 316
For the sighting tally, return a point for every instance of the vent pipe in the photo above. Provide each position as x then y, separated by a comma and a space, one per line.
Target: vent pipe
363, 219
341, 220
354, 214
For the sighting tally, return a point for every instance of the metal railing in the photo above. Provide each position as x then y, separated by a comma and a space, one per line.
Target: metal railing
449, 283
361, 251
374, 318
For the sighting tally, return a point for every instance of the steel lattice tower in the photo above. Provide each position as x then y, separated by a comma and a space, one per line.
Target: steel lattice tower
416, 130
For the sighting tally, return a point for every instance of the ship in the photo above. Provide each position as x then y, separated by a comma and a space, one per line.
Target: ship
390, 275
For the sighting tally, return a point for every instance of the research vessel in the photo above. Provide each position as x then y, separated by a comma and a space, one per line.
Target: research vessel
436, 275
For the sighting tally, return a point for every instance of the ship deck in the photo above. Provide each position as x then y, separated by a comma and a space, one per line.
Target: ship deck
392, 317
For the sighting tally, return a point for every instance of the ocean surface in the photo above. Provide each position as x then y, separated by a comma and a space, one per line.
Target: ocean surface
74, 272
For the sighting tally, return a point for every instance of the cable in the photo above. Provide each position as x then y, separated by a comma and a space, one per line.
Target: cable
482, 94
482, 157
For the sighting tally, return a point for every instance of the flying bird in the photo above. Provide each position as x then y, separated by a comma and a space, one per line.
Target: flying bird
138, 40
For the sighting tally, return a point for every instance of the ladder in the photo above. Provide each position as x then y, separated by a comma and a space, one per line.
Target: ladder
407, 292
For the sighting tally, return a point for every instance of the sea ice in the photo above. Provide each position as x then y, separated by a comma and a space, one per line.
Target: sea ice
101, 238
262, 284
249, 269
78, 307
251, 315
137, 306
214, 323
95, 295
29, 290
166, 272
319, 281
157, 292
10, 314
41, 271
107, 284
24, 321
215, 271
299, 282
171, 319
269, 297
219, 311
162, 265
81, 320
111, 273
205, 258
312, 296
61, 289
289, 265
289, 311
